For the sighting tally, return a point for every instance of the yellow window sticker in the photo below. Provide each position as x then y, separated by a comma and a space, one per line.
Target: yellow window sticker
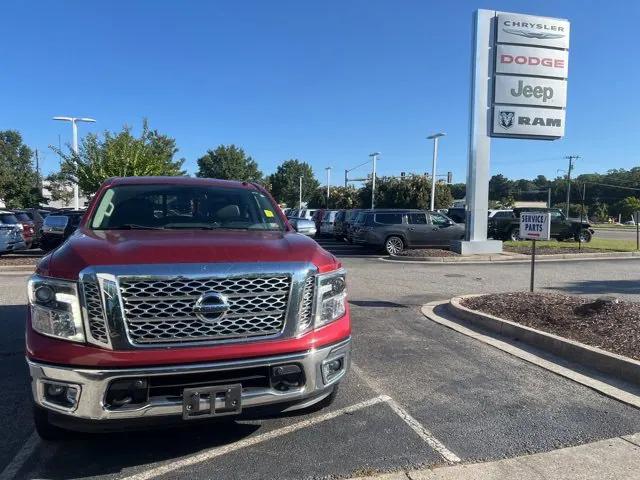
269, 213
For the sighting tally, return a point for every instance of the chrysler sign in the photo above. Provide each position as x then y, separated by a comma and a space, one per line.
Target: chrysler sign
528, 30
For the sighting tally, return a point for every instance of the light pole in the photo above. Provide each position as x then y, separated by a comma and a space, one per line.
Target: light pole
328, 169
435, 138
74, 146
571, 158
374, 158
300, 197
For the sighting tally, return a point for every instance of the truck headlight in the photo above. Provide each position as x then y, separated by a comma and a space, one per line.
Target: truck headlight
331, 297
55, 309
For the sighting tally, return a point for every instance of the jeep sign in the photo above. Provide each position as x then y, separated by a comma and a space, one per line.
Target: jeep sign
543, 62
511, 120
544, 92
528, 30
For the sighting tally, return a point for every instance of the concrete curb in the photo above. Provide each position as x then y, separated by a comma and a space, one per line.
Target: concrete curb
617, 366
516, 258
17, 268
555, 365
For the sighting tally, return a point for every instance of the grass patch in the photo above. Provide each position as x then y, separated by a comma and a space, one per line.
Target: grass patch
604, 244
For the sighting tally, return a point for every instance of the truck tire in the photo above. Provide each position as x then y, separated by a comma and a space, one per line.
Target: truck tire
514, 234
584, 236
46, 430
394, 245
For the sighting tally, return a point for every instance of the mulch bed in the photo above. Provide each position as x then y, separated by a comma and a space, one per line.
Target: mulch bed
550, 250
21, 257
607, 323
428, 252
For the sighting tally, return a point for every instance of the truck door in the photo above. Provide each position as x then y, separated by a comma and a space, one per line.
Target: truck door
560, 226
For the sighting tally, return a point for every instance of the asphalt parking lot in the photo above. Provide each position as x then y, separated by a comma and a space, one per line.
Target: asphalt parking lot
419, 395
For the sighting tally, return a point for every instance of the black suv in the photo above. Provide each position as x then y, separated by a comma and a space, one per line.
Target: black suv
57, 227
562, 228
394, 230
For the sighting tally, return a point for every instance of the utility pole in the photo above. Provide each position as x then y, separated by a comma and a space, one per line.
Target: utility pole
374, 158
300, 195
328, 169
346, 172
549, 198
571, 158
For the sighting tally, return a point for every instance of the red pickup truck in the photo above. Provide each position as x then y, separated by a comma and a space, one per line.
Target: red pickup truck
178, 299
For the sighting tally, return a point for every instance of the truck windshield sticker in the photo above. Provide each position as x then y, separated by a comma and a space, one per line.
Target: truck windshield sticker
268, 213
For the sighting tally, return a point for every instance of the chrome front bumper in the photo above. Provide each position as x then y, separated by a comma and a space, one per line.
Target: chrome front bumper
93, 384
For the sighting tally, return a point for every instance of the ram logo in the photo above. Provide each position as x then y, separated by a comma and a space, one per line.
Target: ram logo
506, 119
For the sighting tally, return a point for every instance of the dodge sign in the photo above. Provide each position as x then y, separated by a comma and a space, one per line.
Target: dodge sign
535, 226
543, 62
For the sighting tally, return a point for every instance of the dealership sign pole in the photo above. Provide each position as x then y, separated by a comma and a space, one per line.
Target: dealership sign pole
518, 90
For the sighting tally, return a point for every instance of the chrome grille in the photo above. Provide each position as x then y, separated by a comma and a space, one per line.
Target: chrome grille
306, 305
160, 311
95, 316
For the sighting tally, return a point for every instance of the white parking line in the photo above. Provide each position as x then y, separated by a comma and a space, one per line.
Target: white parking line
218, 451
415, 425
21, 457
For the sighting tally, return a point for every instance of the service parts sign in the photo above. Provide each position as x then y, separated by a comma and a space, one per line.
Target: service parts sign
535, 226
530, 76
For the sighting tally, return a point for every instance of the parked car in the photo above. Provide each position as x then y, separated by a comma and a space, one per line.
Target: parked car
500, 213
397, 230
338, 225
457, 214
356, 224
11, 238
58, 227
326, 227
307, 213
562, 228
29, 231
147, 315
8, 221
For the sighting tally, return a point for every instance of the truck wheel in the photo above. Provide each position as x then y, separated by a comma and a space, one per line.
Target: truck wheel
46, 430
394, 245
584, 236
514, 235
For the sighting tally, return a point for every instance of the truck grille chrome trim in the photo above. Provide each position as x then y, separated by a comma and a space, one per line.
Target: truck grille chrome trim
94, 314
257, 307
306, 305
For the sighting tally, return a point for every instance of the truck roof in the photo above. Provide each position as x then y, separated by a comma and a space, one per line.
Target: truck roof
177, 180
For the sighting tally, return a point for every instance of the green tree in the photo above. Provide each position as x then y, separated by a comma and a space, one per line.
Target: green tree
60, 187
412, 191
120, 155
458, 190
500, 187
601, 212
19, 182
627, 207
340, 197
229, 162
285, 182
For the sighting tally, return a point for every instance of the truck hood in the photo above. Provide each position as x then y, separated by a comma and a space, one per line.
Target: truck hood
128, 247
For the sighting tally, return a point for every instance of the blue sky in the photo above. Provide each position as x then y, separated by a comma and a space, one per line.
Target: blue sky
327, 82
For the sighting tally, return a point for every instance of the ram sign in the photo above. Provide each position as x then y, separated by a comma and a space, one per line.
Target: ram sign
531, 66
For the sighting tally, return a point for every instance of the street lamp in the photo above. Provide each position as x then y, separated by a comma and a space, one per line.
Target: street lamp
328, 169
374, 158
435, 138
300, 197
74, 146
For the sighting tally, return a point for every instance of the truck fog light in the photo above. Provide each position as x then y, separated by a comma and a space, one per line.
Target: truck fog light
45, 294
65, 396
332, 368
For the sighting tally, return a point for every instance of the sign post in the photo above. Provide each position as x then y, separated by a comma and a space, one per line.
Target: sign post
534, 226
637, 220
518, 90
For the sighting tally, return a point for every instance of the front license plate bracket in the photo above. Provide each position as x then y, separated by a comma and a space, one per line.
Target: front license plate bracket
216, 401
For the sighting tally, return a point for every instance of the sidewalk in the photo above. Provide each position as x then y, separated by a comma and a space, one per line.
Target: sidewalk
613, 459
516, 257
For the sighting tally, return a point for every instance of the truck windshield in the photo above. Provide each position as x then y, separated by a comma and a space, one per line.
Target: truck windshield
184, 207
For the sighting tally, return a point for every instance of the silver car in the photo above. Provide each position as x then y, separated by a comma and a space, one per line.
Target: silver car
396, 230
11, 238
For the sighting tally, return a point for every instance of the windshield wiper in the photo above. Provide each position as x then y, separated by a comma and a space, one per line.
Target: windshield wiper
133, 226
